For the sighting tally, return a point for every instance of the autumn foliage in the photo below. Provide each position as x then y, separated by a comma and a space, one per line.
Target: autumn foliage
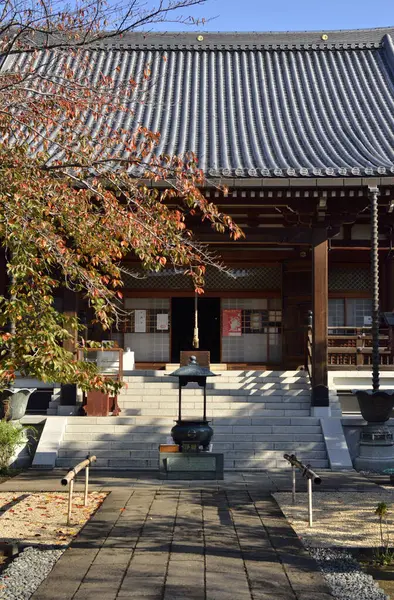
73, 206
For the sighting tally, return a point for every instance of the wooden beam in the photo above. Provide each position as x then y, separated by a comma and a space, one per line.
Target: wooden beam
320, 395
170, 293
278, 235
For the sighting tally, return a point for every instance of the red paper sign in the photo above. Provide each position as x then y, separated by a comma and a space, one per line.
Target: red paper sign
232, 322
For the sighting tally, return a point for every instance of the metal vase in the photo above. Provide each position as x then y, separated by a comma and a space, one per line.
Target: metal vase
13, 403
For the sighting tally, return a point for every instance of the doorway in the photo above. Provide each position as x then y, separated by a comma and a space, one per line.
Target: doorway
182, 326
297, 301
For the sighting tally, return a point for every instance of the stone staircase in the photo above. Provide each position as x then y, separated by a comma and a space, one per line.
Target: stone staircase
256, 417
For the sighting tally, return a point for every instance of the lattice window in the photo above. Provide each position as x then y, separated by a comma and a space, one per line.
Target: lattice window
336, 312
355, 279
152, 323
357, 310
254, 278
352, 312
261, 338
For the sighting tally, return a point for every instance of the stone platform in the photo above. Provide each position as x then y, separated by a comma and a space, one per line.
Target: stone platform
191, 466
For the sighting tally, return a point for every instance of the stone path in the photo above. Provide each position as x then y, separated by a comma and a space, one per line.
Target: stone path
177, 545
219, 540
269, 481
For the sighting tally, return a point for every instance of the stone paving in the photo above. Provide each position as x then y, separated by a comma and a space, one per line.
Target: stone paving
154, 540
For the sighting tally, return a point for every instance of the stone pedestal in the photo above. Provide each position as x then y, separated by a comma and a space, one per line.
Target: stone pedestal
376, 450
199, 465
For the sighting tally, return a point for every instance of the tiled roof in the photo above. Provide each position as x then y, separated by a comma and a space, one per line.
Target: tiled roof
309, 104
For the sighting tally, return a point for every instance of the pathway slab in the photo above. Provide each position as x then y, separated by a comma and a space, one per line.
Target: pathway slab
168, 543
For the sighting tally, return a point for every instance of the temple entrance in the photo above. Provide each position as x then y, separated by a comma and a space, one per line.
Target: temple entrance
297, 286
182, 326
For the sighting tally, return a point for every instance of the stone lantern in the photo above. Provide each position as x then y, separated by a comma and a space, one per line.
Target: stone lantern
191, 435
192, 432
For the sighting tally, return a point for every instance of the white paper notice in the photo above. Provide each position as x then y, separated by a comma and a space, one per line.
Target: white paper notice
162, 322
140, 321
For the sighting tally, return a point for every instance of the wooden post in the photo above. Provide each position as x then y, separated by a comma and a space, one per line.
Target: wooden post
293, 489
320, 395
70, 501
85, 497
310, 507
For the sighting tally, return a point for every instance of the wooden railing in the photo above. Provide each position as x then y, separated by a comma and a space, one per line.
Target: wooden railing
352, 347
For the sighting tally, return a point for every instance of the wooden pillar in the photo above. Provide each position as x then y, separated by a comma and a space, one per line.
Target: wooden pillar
320, 395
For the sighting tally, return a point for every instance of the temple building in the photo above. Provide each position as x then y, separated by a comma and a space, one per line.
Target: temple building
299, 127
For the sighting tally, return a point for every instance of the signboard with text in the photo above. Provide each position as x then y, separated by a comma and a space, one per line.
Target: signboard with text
162, 322
140, 321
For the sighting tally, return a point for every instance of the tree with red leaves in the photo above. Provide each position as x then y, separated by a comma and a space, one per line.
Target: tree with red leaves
72, 206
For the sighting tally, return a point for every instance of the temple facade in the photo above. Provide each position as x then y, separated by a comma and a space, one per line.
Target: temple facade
299, 128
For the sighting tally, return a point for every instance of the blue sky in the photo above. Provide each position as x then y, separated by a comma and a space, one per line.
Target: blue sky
284, 15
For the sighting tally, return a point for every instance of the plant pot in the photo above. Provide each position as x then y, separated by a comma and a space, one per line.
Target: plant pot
375, 407
13, 403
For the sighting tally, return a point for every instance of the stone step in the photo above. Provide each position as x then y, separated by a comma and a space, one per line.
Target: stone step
122, 420
262, 427
168, 391
234, 403
130, 375
133, 387
283, 396
222, 412
236, 408
161, 438
80, 449
308, 450
137, 380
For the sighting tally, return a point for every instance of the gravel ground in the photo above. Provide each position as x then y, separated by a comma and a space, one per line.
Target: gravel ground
39, 519
340, 520
23, 576
345, 577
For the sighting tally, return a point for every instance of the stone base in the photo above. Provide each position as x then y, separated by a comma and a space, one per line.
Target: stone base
321, 411
374, 456
182, 465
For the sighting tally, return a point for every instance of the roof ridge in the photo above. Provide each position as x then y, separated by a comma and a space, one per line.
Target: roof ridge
342, 38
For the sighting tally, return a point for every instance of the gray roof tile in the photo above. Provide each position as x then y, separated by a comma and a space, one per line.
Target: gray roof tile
264, 105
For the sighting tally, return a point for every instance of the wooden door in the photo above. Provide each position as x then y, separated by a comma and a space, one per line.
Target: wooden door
297, 301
